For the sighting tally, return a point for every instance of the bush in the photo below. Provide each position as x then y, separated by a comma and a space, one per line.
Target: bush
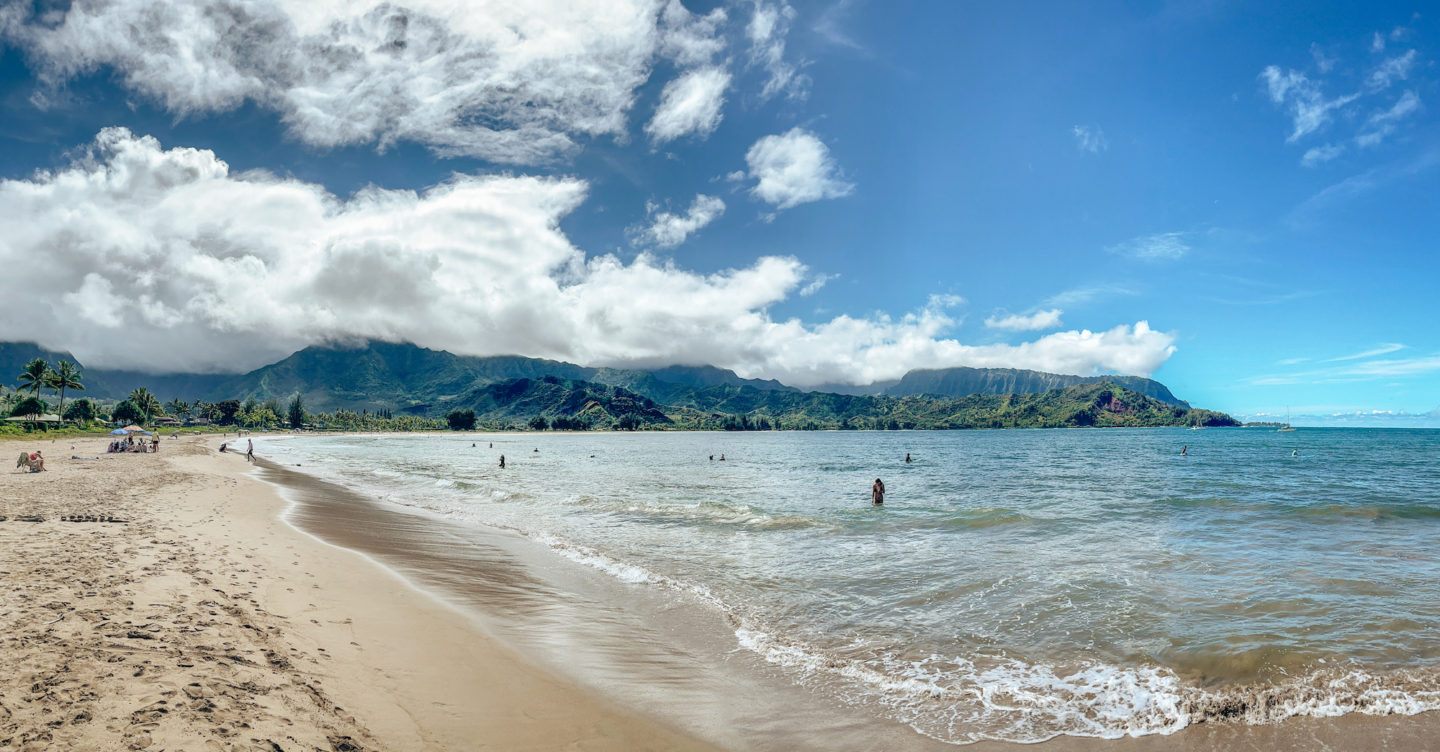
29, 406
127, 412
461, 420
81, 411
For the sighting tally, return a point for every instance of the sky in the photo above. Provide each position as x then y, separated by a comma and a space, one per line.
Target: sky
1239, 202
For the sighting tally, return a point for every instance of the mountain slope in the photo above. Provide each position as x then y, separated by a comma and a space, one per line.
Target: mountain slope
960, 381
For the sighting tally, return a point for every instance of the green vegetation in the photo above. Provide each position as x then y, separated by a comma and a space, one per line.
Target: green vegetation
436, 390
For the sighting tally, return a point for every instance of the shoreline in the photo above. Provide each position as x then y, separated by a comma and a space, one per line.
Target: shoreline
262, 632
205, 619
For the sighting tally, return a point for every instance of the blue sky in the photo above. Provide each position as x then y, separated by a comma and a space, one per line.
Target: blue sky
816, 192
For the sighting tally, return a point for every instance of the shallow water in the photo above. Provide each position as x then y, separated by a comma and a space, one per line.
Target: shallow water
1016, 584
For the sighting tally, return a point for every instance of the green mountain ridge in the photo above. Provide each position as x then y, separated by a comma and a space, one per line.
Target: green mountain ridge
1097, 405
407, 379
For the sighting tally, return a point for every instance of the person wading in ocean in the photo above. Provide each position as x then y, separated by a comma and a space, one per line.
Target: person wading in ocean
877, 493
502, 462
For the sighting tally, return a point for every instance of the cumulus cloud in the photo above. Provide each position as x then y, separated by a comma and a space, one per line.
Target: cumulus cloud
137, 256
667, 229
691, 39
1157, 247
1020, 323
1309, 109
769, 24
509, 82
794, 168
1090, 138
689, 104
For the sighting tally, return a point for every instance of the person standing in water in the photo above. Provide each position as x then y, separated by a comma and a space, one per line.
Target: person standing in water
502, 462
907, 458
877, 493
1185, 451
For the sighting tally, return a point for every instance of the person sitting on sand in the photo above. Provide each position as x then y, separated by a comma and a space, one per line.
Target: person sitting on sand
32, 462
222, 448
877, 493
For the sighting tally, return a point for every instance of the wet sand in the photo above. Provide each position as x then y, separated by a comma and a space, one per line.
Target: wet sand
203, 620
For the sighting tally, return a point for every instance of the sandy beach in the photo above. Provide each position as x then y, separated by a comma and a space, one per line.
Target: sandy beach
202, 621
199, 619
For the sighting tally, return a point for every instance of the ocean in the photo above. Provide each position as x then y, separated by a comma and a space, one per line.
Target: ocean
1016, 585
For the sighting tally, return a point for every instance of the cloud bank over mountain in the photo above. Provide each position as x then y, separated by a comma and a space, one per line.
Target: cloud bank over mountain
139, 256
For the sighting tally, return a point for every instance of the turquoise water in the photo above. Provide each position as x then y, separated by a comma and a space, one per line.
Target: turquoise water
1016, 584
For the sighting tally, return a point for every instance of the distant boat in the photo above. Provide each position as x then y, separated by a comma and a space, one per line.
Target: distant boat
1197, 428
1286, 428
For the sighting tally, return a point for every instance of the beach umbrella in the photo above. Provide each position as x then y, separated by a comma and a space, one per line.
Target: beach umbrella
118, 431
132, 428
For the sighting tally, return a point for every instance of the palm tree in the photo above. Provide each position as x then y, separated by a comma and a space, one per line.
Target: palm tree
146, 402
65, 376
178, 407
34, 376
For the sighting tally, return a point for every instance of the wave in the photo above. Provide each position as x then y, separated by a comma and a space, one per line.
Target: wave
962, 700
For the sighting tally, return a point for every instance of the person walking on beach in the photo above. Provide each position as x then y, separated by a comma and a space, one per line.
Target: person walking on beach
877, 493
250, 450
502, 462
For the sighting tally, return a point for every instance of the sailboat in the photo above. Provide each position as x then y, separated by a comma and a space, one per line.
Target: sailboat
1286, 428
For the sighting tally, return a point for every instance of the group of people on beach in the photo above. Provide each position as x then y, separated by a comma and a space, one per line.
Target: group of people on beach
129, 444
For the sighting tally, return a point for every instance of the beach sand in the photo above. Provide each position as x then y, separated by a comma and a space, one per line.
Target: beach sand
205, 621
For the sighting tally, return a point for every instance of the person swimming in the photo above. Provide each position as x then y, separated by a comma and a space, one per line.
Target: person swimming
877, 493
1295, 453
722, 458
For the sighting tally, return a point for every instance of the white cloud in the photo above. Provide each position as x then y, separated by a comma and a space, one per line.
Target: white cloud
769, 24
689, 104
1383, 123
818, 282
1321, 154
794, 168
141, 257
1392, 70
1377, 43
667, 229
1160, 246
1018, 323
1323, 62
510, 82
1083, 295
1090, 138
1384, 349
690, 39
1309, 109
